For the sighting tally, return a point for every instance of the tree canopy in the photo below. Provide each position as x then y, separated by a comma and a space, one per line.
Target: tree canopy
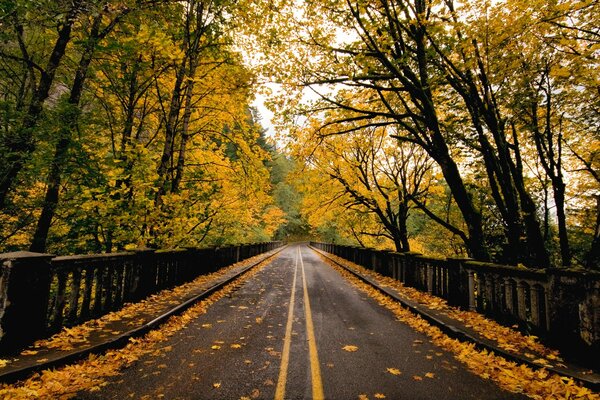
467, 128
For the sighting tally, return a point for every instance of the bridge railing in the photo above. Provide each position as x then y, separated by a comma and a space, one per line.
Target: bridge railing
40, 293
560, 305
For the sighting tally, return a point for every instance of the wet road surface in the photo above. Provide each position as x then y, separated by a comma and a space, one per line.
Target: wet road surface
298, 330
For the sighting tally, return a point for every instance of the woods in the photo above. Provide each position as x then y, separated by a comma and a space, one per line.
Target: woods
421, 125
127, 124
503, 98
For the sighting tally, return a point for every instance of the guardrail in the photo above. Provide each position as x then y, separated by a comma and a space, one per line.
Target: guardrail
560, 305
40, 293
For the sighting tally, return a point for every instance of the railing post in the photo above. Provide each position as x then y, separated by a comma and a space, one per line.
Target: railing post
521, 305
24, 291
508, 296
458, 282
534, 292
472, 299
146, 267
430, 281
488, 290
395, 265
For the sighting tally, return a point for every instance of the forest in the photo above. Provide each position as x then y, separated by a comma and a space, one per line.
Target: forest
441, 127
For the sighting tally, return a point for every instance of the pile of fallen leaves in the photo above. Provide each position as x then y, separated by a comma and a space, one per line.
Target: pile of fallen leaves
91, 374
537, 384
77, 336
506, 338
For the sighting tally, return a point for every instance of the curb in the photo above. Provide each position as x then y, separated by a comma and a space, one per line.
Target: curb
457, 333
122, 339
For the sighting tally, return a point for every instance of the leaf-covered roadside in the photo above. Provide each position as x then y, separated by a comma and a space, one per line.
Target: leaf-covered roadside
537, 384
504, 337
91, 374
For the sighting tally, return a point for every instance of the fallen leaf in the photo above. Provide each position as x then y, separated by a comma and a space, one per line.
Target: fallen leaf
350, 348
430, 375
215, 347
379, 396
217, 385
207, 326
29, 352
236, 346
417, 378
394, 371
363, 397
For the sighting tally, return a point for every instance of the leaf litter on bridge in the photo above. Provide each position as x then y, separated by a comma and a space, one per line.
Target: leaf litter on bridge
91, 374
130, 316
538, 384
504, 337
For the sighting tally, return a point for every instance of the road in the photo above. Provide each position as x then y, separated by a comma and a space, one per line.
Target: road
298, 330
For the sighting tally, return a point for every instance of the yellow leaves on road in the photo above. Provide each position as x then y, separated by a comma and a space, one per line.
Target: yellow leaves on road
350, 348
66, 382
254, 395
216, 385
77, 336
537, 384
236, 346
394, 371
430, 375
363, 396
215, 347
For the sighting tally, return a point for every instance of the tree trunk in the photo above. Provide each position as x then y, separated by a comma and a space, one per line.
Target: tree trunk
559, 201
59, 162
592, 259
187, 114
170, 133
22, 144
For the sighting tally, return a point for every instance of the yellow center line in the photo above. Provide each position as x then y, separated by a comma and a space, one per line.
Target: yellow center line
315, 369
285, 356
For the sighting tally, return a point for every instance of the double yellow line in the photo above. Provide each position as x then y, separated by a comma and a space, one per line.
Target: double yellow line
315, 369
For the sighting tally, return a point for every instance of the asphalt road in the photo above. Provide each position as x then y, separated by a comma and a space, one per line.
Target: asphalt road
262, 342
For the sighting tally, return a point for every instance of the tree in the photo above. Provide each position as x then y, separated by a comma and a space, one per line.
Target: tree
371, 174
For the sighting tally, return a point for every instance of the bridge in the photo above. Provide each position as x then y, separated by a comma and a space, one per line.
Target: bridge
265, 321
